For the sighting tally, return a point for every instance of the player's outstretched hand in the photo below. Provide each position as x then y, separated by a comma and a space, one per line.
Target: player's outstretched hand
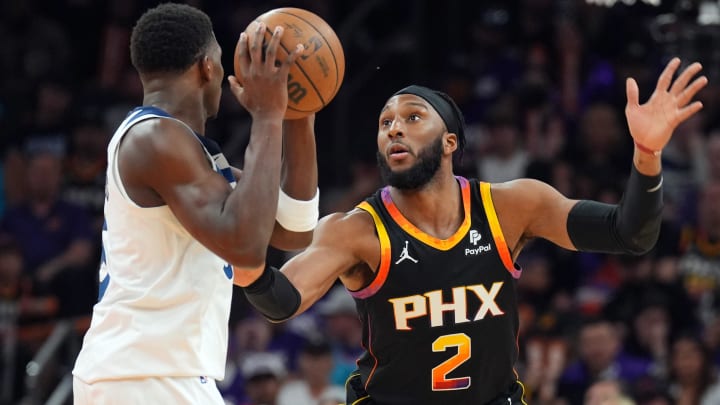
652, 124
263, 91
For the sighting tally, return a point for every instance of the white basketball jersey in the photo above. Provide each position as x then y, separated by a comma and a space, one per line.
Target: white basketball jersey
164, 298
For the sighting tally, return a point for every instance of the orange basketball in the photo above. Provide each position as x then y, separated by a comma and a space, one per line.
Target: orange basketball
317, 74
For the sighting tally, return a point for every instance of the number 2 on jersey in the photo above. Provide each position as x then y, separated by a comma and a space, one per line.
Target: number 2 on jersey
440, 381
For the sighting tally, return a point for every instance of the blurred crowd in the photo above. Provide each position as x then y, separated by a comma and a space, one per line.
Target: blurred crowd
541, 84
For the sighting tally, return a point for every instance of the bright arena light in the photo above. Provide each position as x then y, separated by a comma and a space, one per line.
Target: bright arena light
610, 3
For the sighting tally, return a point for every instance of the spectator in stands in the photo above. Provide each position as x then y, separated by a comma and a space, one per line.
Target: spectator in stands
711, 337
600, 356
607, 392
85, 170
712, 148
250, 335
504, 157
601, 157
20, 311
710, 162
685, 160
315, 364
54, 236
264, 375
16, 288
649, 336
692, 378
344, 331
699, 263
651, 391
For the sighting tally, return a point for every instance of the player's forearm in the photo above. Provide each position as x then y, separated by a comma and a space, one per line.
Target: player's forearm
273, 295
298, 210
250, 209
631, 227
299, 168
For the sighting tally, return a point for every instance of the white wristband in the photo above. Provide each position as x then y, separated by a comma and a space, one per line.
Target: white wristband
298, 215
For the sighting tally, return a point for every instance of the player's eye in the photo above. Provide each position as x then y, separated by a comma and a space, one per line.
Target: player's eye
414, 117
385, 122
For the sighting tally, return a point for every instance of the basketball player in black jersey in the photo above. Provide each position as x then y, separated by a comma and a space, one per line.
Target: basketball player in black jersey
430, 259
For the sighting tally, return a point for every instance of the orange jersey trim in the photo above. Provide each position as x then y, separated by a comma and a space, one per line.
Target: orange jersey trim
385, 252
496, 231
369, 349
440, 244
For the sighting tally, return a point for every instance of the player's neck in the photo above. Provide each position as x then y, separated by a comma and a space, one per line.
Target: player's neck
178, 99
436, 208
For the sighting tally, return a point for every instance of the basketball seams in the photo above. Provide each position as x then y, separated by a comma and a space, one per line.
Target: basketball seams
337, 70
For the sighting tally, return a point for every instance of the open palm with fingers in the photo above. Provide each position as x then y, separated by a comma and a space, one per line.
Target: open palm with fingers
651, 124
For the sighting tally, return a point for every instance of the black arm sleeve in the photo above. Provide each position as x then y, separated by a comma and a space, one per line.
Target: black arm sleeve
273, 295
631, 227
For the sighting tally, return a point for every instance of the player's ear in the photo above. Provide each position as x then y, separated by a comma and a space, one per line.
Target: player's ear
205, 66
450, 144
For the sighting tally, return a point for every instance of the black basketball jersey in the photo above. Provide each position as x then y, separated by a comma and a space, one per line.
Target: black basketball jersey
440, 318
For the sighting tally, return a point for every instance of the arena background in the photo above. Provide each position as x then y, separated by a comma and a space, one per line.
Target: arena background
541, 84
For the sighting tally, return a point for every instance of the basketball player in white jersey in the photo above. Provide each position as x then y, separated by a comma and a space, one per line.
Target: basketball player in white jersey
179, 221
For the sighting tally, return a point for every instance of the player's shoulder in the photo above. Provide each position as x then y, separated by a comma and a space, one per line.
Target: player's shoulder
156, 140
522, 195
344, 227
353, 220
523, 188
159, 131
349, 233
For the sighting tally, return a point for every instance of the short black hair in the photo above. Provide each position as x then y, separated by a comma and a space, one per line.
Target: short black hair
170, 38
316, 347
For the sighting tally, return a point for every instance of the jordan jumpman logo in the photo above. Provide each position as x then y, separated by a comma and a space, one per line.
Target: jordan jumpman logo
405, 255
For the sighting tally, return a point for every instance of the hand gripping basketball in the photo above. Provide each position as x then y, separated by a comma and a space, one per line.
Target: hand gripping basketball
264, 79
315, 76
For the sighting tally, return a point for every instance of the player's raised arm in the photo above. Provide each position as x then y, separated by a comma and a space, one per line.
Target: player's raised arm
299, 196
234, 223
652, 124
633, 225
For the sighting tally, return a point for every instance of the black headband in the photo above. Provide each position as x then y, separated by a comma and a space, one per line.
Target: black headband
446, 108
